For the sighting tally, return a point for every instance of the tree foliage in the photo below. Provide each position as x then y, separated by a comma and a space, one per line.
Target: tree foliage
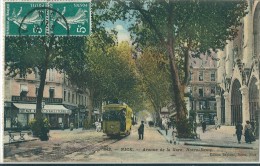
197, 25
154, 72
27, 54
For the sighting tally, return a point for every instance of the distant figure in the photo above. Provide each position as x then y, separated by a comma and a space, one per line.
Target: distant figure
217, 125
194, 127
248, 132
98, 126
204, 126
141, 131
239, 129
166, 126
174, 134
71, 126
253, 124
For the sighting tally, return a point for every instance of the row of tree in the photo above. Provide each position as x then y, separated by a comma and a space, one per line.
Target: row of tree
168, 33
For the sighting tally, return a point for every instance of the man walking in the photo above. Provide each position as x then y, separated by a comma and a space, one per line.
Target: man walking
239, 129
204, 125
141, 131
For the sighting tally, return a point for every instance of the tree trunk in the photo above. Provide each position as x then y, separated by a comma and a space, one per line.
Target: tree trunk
40, 93
91, 108
43, 71
182, 122
186, 67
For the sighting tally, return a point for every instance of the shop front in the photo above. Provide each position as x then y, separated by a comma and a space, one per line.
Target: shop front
57, 115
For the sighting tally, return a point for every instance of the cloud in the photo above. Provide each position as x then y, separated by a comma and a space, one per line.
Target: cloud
123, 36
119, 28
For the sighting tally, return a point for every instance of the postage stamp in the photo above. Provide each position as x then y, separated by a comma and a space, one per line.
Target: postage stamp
22, 17
130, 81
45, 18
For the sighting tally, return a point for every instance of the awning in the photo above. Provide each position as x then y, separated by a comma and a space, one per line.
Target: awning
48, 109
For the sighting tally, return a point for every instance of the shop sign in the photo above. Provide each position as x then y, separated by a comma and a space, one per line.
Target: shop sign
33, 99
29, 111
56, 111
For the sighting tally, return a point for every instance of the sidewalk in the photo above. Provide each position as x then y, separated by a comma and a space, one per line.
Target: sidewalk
224, 137
27, 137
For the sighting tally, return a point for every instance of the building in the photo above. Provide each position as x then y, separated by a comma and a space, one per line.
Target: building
238, 72
63, 103
203, 83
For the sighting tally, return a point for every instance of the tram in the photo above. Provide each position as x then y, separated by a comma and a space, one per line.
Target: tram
117, 119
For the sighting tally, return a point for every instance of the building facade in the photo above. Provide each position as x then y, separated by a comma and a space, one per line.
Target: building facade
238, 72
203, 83
63, 103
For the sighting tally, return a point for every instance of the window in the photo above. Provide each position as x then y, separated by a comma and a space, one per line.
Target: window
51, 92
201, 93
36, 91
82, 100
213, 91
76, 98
213, 76
73, 98
85, 100
212, 105
202, 105
201, 75
37, 76
51, 74
68, 96
64, 96
23, 90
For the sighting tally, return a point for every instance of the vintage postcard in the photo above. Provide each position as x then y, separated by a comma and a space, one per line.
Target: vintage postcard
135, 81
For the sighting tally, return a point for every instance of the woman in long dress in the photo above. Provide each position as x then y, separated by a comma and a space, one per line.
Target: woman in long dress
248, 132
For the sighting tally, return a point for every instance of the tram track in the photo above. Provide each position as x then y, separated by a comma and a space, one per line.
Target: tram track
59, 150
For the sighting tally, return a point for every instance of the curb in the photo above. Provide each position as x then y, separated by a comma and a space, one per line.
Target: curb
34, 139
163, 135
216, 145
199, 143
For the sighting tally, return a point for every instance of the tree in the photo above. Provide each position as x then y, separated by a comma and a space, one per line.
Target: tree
26, 54
107, 72
154, 71
207, 24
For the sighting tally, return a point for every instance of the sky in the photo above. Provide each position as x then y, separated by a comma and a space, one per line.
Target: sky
121, 27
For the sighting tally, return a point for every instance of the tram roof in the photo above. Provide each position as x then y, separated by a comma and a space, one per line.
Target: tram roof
116, 106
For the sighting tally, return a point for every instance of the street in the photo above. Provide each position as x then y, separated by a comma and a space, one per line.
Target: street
91, 146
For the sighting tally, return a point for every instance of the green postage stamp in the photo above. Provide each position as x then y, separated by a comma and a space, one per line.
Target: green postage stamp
46, 18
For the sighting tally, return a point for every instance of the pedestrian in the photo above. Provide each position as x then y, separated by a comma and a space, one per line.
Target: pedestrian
98, 126
248, 132
141, 130
253, 124
194, 127
71, 126
174, 134
217, 125
169, 123
204, 126
166, 127
239, 129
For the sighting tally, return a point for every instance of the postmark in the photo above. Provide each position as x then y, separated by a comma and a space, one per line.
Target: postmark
17, 17
47, 18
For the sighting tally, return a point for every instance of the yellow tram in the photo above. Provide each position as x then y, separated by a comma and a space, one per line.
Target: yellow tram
117, 119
